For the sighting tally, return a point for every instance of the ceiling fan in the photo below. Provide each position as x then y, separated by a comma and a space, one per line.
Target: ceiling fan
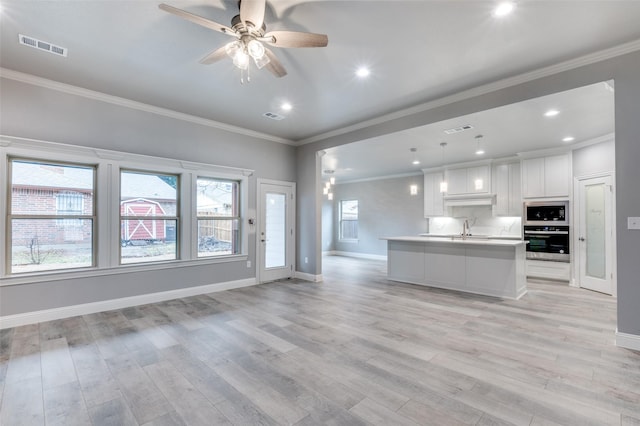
249, 30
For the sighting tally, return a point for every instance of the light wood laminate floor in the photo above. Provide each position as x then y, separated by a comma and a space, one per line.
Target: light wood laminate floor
354, 350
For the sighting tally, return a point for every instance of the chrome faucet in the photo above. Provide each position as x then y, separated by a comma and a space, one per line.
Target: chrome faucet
465, 229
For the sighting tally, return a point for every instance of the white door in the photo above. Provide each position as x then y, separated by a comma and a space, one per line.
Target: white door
276, 238
595, 234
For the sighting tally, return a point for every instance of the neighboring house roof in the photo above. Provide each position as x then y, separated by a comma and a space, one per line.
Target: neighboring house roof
134, 185
46, 176
141, 185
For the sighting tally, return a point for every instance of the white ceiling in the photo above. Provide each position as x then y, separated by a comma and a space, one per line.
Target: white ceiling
418, 51
586, 114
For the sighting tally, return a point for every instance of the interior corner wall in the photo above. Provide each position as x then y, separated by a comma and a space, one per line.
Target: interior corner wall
624, 70
592, 159
35, 112
385, 209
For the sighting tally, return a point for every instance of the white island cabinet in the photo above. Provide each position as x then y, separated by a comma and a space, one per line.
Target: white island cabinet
489, 267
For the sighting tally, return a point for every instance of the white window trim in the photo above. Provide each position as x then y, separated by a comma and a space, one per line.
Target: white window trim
109, 163
347, 240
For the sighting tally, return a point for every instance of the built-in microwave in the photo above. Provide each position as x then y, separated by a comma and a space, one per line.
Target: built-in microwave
546, 213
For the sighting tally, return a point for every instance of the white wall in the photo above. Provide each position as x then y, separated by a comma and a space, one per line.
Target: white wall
594, 159
385, 209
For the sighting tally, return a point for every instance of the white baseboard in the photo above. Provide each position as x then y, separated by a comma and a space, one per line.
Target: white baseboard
628, 341
308, 277
17, 320
359, 255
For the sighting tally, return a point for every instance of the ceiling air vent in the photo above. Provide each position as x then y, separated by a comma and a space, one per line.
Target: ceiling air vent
42, 45
459, 129
273, 116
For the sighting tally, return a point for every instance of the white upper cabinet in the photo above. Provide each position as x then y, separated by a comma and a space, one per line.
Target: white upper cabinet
456, 181
470, 180
506, 184
546, 176
433, 201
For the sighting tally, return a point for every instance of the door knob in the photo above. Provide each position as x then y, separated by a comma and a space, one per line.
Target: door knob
581, 239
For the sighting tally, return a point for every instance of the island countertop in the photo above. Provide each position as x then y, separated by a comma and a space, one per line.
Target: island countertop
457, 240
492, 267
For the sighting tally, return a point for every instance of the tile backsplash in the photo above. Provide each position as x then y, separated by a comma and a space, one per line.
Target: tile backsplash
481, 222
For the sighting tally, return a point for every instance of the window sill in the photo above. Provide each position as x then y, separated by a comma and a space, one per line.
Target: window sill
37, 277
351, 241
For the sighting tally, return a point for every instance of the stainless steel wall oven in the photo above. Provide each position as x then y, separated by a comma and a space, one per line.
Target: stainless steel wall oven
547, 242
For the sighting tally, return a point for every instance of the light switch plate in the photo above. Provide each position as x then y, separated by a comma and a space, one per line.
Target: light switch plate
633, 223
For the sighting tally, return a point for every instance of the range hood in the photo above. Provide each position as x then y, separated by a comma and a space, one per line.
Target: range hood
469, 200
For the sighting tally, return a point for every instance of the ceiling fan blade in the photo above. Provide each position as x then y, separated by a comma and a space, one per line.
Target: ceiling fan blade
252, 11
207, 23
274, 66
295, 39
214, 56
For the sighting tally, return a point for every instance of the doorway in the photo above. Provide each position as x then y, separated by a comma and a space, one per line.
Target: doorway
276, 230
595, 258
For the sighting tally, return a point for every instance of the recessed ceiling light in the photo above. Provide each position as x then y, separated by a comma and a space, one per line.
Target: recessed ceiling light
286, 106
503, 9
551, 113
568, 139
363, 72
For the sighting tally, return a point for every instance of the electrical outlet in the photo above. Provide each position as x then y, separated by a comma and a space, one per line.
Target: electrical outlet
633, 223
306, 260
248, 264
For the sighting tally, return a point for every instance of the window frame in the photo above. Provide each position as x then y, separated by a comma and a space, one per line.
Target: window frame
7, 269
175, 217
237, 210
341, 237
106, 205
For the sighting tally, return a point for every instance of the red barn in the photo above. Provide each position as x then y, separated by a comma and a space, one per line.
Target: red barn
142, 230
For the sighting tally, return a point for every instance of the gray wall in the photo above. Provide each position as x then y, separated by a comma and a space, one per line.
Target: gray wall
328, 243
625, 70
385, 209
39, 113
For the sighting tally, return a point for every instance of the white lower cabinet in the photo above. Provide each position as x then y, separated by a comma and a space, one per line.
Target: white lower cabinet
491, 268
560, 271
446, 265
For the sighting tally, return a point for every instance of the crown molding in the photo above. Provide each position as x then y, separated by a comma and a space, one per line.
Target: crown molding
581, 61
127, 103
386, 177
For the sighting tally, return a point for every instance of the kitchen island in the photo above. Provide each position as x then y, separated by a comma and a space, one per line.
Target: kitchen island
492, 267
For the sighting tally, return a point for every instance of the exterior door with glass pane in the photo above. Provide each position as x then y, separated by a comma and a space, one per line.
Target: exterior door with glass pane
276, 238
595, 234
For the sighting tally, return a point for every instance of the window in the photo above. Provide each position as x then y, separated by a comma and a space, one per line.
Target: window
348, 220
218, 216
51, 216
148, 217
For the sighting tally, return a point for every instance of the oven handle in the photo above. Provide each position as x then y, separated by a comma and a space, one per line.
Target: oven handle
547, 232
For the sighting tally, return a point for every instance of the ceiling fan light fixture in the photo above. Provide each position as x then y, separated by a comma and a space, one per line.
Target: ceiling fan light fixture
255, 49
233, 48
241, 60
262, 61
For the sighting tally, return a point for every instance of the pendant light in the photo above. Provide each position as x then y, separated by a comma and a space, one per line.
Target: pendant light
479, 150
416, 160
443, 184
